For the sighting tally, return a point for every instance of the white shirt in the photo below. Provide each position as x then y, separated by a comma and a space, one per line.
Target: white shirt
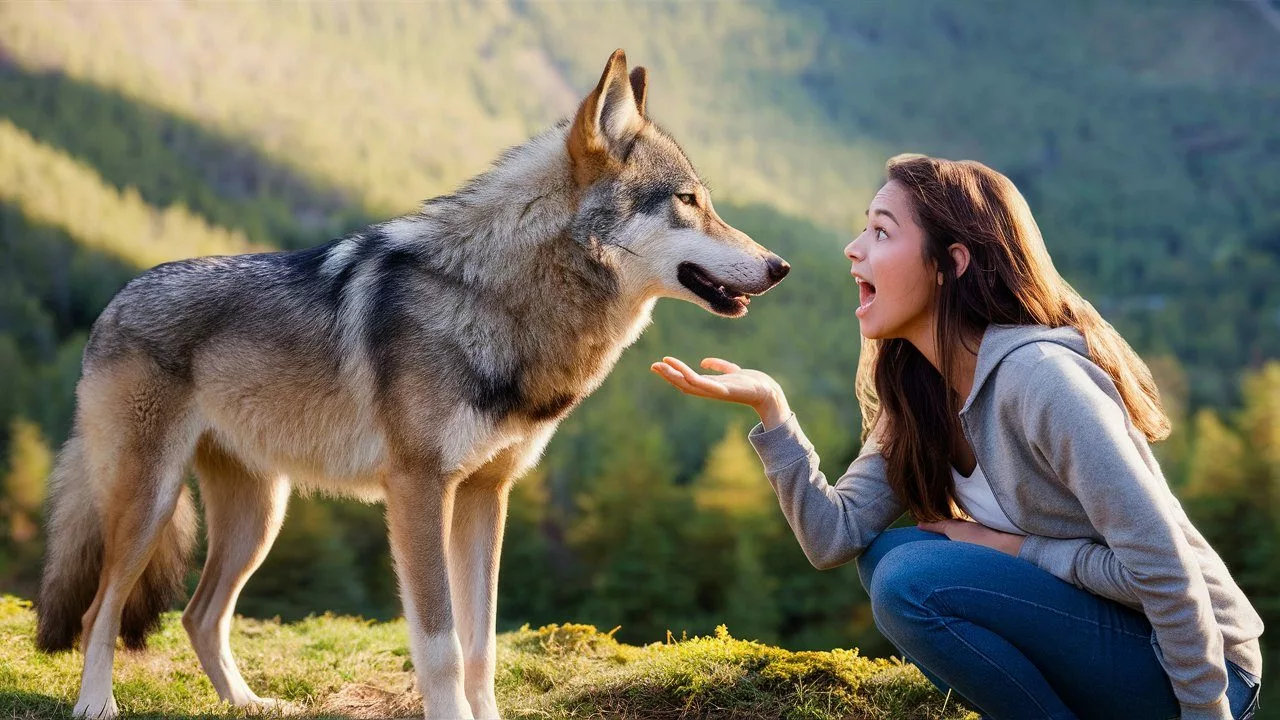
974, 494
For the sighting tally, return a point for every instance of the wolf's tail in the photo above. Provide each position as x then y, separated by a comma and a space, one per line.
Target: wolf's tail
73, 559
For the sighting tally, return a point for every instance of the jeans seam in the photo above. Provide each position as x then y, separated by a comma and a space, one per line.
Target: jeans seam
1038, 605
994, 664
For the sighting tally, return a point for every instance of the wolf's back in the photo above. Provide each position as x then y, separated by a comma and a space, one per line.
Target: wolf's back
171, 310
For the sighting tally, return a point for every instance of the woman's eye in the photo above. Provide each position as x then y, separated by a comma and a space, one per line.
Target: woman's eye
688, 199
880, 232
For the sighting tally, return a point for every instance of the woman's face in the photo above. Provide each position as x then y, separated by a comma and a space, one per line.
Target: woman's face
897, 289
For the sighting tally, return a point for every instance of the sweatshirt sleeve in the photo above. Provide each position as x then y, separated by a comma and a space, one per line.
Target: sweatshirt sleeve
1084, 563
833, 524
1075, 418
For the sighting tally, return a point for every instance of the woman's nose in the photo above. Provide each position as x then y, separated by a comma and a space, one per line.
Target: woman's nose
850, 251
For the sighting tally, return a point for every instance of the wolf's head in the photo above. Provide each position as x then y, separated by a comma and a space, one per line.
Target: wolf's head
641, 194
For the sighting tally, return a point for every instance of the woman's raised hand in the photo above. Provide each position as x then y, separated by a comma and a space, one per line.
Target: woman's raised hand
748, 387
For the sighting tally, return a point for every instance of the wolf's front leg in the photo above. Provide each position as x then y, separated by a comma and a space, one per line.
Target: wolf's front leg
475, 545
419, 508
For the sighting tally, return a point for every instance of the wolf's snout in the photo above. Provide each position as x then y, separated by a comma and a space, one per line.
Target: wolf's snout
778, 268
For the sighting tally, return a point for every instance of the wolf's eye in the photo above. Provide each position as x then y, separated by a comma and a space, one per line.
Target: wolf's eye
689, 199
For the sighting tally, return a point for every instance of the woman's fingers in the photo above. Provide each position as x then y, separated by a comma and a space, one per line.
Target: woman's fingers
675, 378
938, 526
692, 377
719, 365
683, 377
668, 373
683, 369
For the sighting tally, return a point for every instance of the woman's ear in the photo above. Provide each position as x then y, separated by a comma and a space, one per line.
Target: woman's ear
960, 254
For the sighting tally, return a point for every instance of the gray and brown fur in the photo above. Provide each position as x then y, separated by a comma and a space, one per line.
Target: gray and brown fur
425, 361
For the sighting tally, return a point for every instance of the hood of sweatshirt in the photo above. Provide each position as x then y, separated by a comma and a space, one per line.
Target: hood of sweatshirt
1000, 340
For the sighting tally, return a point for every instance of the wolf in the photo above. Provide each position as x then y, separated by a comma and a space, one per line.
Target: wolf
424, 361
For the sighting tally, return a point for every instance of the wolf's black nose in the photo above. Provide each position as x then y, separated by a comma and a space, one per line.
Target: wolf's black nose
778, 268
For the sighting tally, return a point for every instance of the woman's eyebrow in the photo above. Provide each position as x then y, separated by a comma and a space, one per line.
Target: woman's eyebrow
880, 211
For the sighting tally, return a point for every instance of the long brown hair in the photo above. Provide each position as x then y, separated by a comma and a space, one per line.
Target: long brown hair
1010, 280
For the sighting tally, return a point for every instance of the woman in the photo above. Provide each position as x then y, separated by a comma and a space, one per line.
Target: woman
1082, 589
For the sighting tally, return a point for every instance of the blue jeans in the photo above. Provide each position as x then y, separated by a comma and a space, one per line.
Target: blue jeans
1014, 642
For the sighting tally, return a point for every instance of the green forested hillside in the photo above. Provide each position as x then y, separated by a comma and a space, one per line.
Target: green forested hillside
1144, 135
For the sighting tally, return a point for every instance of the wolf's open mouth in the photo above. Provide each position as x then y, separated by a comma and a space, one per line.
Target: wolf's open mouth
723, 298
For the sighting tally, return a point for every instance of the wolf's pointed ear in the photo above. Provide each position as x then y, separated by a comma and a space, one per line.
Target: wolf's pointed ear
640, 87
607, 122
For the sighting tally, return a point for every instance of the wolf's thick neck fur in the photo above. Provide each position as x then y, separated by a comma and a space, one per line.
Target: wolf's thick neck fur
547, 307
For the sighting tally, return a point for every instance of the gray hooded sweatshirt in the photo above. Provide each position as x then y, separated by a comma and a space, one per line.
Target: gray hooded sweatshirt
1069, 468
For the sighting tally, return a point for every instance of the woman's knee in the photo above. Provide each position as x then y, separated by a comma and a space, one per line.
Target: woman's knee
874, 554
892, 576
908, 573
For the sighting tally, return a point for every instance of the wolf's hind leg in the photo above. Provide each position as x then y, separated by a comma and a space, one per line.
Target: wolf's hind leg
243, 514
141, 458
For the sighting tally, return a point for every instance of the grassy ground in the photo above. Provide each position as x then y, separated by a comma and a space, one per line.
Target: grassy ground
341, 667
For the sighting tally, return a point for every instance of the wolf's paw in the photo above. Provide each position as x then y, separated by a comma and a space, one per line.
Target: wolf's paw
485, 707
456, 711
96, 708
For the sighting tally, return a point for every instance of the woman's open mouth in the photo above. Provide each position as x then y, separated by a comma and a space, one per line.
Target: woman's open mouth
723, 298
866, 296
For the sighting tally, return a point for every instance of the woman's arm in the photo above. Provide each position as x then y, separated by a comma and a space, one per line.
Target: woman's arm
1074, 417
1084, 563
833, 524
